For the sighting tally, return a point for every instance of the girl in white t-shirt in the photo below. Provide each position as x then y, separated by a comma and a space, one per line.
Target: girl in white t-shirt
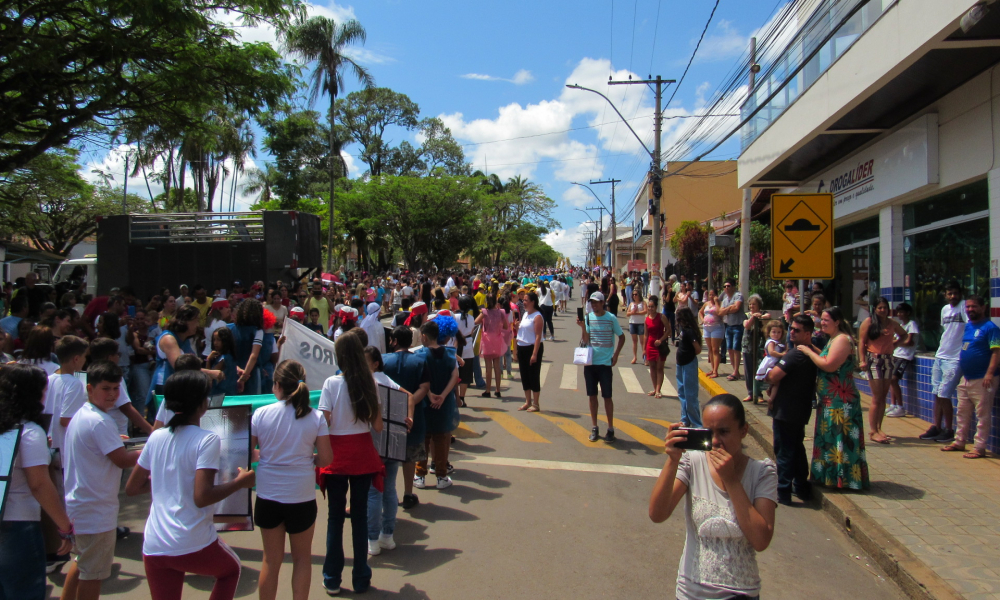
22, 547
286, 433
729, 506
178, 467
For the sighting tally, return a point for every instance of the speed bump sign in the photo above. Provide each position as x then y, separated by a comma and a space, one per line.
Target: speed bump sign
802, 236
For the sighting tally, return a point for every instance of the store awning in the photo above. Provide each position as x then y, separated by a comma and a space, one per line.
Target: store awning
20, 253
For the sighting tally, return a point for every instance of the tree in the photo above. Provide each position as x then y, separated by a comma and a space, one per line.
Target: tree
507, 206
49, 203
262, 182
367, 113
298, 142
321, 40
74, 68
527, 248
689, 244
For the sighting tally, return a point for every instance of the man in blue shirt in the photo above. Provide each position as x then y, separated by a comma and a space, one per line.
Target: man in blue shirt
978, 360
599, 330
18, 311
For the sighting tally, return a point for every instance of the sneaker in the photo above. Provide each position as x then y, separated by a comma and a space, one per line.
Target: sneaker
374, 549
418, 482
946, 436
331, 591
449, 470
122, 532
385, 540
895, 411
930, 434
410, 500
610, 438
496, 394
444, 482
54, 561
486, 394
595, 434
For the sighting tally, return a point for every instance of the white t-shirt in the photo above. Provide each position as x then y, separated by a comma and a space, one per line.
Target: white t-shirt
91, 479
466, 329
335, 400
164, 414
176, 526
120, 419
280, 314
209, 330
33, 451
636, 319
65, 397
953, 320
285, 472
383, 379
526, 330
718, 560
544, 299
407, 291
125, 351
908, 352
46, 365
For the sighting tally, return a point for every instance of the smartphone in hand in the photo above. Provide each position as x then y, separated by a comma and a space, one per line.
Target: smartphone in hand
579, 313
697, 439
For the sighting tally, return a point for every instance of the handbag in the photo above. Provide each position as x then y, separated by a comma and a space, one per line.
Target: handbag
584, 355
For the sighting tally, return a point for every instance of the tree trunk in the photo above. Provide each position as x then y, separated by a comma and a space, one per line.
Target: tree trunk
333, 177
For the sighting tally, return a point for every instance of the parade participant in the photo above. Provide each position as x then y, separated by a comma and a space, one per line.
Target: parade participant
877, 340
174, 341
349, 402
248, 334
636, 313
688, 348
546, 305
38, 350
22, 544
441, 415
285, 434
373, 327
729, 505
530, 349
838, 458
466, 320
223, 358
493, 321
177, 468
600, 329
411, 373
657, 330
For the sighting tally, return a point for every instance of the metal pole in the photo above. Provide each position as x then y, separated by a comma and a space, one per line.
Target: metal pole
614, 225
802, 296
747, 200
125, 189
654, 271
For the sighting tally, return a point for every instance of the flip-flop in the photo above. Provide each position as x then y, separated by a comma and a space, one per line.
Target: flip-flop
748, 399
732, 378
633, 361
973, 455
650, 393
879, 441
525, 407
659, 395
533, 409
953, 448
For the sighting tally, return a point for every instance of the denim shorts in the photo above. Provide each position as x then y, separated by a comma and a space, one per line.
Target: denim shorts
734, 336
715, 332
945, 376
637, 328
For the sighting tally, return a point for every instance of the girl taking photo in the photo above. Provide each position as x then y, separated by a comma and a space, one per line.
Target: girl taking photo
729, 502
177, 467
286, 433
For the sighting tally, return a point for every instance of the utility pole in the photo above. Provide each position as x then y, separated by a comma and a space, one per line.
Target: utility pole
598, 230
614, 225
747, 196
125, 188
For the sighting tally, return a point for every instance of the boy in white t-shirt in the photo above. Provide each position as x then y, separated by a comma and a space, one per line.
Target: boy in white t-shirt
902, 358
123, 412
94, 458
66, 394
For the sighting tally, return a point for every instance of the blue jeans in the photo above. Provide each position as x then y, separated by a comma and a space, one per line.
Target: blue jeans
790, 452
333, 565
687, 391
734, 337
22, 561
382, 506
508, 361
477, 373
140, 378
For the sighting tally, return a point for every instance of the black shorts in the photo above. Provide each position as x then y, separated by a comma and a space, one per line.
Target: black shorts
598, 374
465, 372
268, 514
899, 366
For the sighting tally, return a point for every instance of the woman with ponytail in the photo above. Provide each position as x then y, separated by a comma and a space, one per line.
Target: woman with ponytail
178, 467
349, 402
286, 433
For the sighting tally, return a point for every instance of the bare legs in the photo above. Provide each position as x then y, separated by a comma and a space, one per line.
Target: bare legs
274, 555
713, 355
656, 376
880, 389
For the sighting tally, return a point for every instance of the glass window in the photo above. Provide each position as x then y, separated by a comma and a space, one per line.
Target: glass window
857, 270
932, 259
855, 232
966, 200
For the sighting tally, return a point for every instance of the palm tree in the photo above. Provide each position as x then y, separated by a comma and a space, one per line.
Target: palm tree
322, 40
260, 182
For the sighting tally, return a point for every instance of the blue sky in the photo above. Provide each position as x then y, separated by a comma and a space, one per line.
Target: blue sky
498, 71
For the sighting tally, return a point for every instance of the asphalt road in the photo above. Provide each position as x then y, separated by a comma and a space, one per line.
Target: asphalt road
537, 511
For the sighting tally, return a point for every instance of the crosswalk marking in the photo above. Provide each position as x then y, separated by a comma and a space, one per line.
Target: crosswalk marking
569, 377
668, 389
514, 427
558, 465
666, 424
632, 384
543, 374
574, 430
638, 434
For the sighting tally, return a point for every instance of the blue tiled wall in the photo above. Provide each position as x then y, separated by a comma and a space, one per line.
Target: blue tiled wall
918, 400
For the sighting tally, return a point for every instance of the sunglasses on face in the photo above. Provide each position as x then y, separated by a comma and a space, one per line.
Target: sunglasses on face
796, 330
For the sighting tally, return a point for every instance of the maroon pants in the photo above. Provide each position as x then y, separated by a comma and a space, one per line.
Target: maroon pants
165, 574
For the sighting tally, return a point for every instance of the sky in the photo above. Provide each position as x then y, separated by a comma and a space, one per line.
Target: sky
495, 73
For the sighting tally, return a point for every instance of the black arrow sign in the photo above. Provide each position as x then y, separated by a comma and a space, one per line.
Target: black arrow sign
786, 266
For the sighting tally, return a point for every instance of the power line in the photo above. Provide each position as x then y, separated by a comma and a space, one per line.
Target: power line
693, 54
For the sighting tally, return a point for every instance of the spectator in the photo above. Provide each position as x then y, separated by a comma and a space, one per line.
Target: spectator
600, 329
732, 315
945, 374
248, 333
902, 358
38, 350
876, 342
18, 311
688, 348
202, 302
979, 360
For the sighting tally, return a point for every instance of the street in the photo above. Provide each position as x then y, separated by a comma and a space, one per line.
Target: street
539, 511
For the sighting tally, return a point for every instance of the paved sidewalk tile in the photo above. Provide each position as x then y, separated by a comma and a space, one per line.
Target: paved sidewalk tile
942, 507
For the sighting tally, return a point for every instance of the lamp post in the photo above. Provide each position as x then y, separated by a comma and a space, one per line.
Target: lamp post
601, 234
589, 220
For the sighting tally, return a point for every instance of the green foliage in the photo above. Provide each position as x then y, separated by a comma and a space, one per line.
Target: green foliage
48, 202
506, 208
367, 113
527, 248
300, 146
73, 67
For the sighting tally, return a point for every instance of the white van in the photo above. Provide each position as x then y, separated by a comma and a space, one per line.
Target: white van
79, 269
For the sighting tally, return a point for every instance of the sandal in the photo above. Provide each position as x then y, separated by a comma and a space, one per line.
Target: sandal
525, 406
659, 395
650, 393
953, 448
533, 409
974, 455
748, 399
633, 361
883, 440
732, 378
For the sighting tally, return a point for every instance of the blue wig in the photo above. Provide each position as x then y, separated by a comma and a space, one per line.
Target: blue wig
447, 327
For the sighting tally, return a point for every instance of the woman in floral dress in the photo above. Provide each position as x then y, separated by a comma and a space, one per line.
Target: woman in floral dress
839, 444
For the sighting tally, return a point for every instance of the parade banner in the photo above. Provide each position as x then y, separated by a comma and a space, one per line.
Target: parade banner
314, 351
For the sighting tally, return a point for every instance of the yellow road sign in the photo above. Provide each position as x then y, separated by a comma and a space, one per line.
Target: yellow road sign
802, 236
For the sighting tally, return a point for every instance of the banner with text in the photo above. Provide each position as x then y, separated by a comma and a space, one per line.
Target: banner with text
313, 350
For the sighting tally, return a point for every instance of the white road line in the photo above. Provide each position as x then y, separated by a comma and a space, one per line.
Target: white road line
668, 389
570, 372
558, 465
543, 374
632, 384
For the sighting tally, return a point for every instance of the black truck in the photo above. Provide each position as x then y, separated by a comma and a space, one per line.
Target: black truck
152, 251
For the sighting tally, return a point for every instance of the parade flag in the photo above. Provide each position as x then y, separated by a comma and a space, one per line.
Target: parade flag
314, 351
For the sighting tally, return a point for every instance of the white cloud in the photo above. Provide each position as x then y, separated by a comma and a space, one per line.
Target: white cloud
570, 242
723, 42
520, 78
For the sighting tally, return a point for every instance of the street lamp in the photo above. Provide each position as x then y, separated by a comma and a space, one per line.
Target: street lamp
589, 220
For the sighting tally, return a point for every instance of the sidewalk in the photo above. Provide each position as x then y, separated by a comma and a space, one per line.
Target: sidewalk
931, 519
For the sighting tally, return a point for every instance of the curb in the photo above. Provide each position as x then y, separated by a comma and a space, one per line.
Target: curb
914, 578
